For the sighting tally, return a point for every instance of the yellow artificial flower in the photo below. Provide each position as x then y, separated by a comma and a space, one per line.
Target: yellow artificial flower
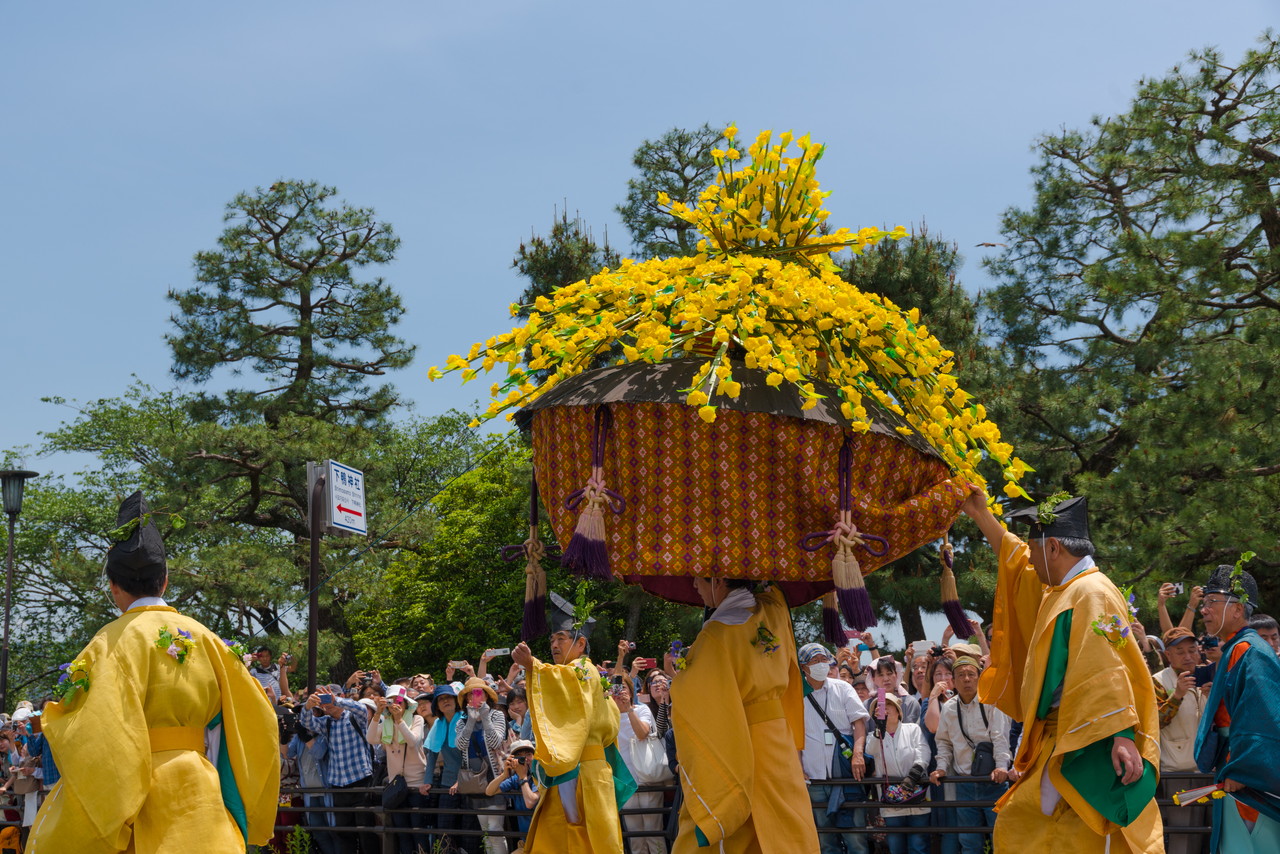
764, 285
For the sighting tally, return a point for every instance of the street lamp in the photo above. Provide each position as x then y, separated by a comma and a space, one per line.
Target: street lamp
12, 484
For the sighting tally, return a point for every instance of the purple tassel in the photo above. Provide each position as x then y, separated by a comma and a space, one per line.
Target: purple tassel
535, 619
832, 628
855, 605
959, 621
586, 553
587, 557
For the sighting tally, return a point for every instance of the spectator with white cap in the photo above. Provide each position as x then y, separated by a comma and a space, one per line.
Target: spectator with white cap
1180, 705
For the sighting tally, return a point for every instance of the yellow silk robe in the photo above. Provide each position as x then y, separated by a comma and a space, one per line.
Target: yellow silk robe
739, 724
573, 720
1107, 689
131, 750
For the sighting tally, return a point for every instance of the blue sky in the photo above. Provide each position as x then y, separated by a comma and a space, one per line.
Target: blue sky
128, 127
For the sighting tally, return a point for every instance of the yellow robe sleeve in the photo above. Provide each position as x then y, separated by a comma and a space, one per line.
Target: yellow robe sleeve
1017, 603
251, 739
776, 613
102, 728
716, 761
560, 720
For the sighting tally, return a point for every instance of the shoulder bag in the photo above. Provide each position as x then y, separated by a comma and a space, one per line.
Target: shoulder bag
984, 758
649, 760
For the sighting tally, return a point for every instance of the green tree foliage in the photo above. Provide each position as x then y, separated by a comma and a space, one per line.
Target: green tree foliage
280, 296
242, 578
920, 271
453, 596
1140, 307
679, 164
567, 254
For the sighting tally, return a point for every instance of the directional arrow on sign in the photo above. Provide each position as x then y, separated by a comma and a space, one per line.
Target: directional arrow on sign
342, 509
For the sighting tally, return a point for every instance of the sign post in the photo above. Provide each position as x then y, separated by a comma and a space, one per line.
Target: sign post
336, 506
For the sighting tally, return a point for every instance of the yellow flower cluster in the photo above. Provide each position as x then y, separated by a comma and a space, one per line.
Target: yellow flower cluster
764, 284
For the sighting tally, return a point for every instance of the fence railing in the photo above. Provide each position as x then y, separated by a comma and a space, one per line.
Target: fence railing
377, 822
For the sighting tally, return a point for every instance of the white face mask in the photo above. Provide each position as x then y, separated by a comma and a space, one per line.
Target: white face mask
818, 671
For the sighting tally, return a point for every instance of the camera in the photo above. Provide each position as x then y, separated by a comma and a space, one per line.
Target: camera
366, 680
1177, 588
522, 760
631, 645
935, 651
288, 658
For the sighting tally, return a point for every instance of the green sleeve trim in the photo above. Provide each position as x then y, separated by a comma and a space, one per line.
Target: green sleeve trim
1091, 774
1055, 670
701, 837
227, 780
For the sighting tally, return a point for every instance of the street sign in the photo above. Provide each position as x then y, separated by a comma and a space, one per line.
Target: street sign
344, 494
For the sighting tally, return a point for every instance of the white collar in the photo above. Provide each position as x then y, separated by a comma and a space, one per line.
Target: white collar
1085, 563
734, 609
147, 602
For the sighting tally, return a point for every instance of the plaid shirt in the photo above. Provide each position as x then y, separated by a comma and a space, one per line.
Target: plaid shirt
348, 760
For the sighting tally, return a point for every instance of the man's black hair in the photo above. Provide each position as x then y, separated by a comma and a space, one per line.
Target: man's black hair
138, 587
1262, 622
1077, 546
266, 649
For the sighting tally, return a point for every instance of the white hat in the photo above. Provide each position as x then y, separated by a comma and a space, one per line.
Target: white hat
21, 715
370, 704
521, 744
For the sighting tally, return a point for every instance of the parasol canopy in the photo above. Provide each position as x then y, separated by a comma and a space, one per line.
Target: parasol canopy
768, 419
734, 498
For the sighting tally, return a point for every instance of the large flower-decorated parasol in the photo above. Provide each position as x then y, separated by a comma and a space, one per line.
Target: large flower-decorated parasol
765, 419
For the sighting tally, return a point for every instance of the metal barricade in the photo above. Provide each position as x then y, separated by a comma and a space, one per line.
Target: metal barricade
376, 823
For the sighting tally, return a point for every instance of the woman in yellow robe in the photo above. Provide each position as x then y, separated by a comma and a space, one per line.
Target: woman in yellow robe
739, 726
132, 747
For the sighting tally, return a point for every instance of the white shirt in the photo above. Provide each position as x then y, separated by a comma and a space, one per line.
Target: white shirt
1083, 564
147, 602
838, 699
955, 754
626, 735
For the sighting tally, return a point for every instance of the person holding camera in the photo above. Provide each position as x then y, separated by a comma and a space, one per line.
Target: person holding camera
517, 783
481, 731
973, 741
1181, 703
399, 731
902, 756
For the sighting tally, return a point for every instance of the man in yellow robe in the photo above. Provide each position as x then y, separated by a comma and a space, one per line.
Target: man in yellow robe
165, 743
575, 728
738, 718
1063, 664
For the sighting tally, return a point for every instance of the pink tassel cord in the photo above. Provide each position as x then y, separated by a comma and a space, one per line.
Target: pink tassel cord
587, 555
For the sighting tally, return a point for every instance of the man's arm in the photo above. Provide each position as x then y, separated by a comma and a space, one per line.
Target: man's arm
943, 741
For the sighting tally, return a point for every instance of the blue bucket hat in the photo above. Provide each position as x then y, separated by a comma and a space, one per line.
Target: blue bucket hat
441, 691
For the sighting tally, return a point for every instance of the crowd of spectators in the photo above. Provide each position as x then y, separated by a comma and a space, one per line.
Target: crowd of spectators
463, 745
907, 730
